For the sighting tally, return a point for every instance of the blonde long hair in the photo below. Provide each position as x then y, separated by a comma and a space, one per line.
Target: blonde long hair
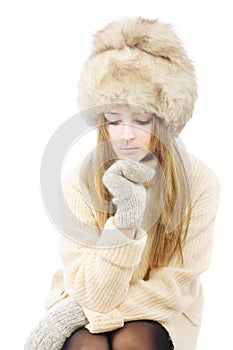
172, 194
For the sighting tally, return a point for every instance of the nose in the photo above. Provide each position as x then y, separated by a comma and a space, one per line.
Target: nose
128, 132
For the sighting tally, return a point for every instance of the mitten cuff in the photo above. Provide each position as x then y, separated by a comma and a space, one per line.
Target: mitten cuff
130, 210
68, 317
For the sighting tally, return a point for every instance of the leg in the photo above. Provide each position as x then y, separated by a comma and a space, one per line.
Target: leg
82, 339
138, 335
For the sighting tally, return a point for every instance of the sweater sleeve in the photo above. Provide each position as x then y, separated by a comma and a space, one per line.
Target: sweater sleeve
98, 275
101, 277
173, 289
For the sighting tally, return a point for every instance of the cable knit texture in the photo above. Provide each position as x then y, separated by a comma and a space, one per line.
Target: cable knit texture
52, 332
124, 179
108, 280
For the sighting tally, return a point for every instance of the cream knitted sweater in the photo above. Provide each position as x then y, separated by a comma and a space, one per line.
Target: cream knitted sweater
108, 282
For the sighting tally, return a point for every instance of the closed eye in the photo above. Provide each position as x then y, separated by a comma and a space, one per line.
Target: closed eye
113, 122
143, 122
117, 122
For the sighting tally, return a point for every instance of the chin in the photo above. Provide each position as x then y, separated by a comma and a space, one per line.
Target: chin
134, 157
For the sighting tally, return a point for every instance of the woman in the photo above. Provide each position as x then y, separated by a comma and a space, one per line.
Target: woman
133, 282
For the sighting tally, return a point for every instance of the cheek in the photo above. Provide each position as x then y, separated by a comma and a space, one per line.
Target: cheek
113, 132
144, 138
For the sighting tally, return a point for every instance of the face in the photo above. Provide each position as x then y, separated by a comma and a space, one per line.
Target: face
129, 132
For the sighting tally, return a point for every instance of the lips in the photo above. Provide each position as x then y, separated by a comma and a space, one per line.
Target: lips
128, 150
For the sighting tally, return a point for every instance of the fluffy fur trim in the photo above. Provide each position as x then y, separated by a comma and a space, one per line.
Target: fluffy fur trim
140, 62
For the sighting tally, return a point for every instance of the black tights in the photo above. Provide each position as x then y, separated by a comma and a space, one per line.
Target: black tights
136, 335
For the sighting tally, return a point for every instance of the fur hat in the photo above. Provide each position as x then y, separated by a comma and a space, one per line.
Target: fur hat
139, 62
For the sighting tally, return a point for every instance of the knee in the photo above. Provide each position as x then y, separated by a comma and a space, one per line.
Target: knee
83, 340
126, 341
123, 344
141, 335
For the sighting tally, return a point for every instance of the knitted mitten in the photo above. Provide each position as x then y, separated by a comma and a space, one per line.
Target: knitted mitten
124, 181
52, 332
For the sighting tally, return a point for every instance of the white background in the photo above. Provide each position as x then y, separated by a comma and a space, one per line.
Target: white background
43, 45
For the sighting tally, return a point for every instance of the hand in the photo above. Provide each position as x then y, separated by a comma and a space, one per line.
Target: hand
52, 332
124, 180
